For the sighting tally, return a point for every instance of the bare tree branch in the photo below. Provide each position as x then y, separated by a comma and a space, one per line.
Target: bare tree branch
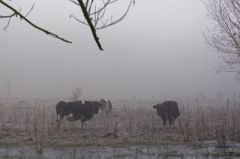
80, 21
8, 23
224, 35
85, 13
29, 11
7, 16
93, 12
17, 13
94, 15
118, 20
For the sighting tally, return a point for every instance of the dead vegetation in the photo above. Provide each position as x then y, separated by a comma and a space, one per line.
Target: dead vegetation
32, 122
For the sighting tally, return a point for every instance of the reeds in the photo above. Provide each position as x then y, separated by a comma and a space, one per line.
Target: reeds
197, 121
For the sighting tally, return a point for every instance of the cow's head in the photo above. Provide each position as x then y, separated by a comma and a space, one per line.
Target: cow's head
59, 106
65, 109
156, 106
103, 104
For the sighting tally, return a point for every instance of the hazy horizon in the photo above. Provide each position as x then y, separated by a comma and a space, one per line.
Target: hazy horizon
157, 50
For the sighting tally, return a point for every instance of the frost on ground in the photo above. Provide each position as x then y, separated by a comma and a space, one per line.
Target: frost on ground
205, 150
207, 128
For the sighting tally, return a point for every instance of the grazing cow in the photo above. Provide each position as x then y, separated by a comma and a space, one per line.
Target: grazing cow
80, 110
106, 106
168, 111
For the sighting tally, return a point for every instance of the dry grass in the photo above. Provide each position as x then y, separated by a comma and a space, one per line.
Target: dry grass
136, 122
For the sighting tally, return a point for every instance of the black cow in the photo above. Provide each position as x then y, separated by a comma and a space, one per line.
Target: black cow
84, 110
80, 110
168, 111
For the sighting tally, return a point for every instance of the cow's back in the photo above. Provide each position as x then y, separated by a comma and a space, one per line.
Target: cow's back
84, 109
171, 108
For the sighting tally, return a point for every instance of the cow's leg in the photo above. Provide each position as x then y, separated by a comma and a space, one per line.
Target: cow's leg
164, 119
59, 121
75, 116
173, 119
170, 121
82, 123
58, 124
57, 118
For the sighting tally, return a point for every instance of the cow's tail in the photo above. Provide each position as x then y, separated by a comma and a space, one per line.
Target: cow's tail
57, 117
57, 113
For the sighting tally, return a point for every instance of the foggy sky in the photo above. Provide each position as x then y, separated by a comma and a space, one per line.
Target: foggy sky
157, 50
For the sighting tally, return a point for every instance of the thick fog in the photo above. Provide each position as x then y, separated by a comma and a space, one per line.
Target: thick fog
157, 50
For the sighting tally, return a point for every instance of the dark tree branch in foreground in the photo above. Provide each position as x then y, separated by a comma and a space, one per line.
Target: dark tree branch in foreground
22, 17
93, 12
95, 15
85, 13
224, 35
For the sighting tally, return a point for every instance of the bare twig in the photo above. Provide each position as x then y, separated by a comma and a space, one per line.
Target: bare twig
17, 13
86, 15
225, 34
118, 20
29, 11
94, 16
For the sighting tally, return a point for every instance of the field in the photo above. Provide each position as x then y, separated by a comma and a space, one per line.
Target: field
132, 130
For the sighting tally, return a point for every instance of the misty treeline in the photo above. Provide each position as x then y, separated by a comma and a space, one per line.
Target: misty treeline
93, 12
224, 34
